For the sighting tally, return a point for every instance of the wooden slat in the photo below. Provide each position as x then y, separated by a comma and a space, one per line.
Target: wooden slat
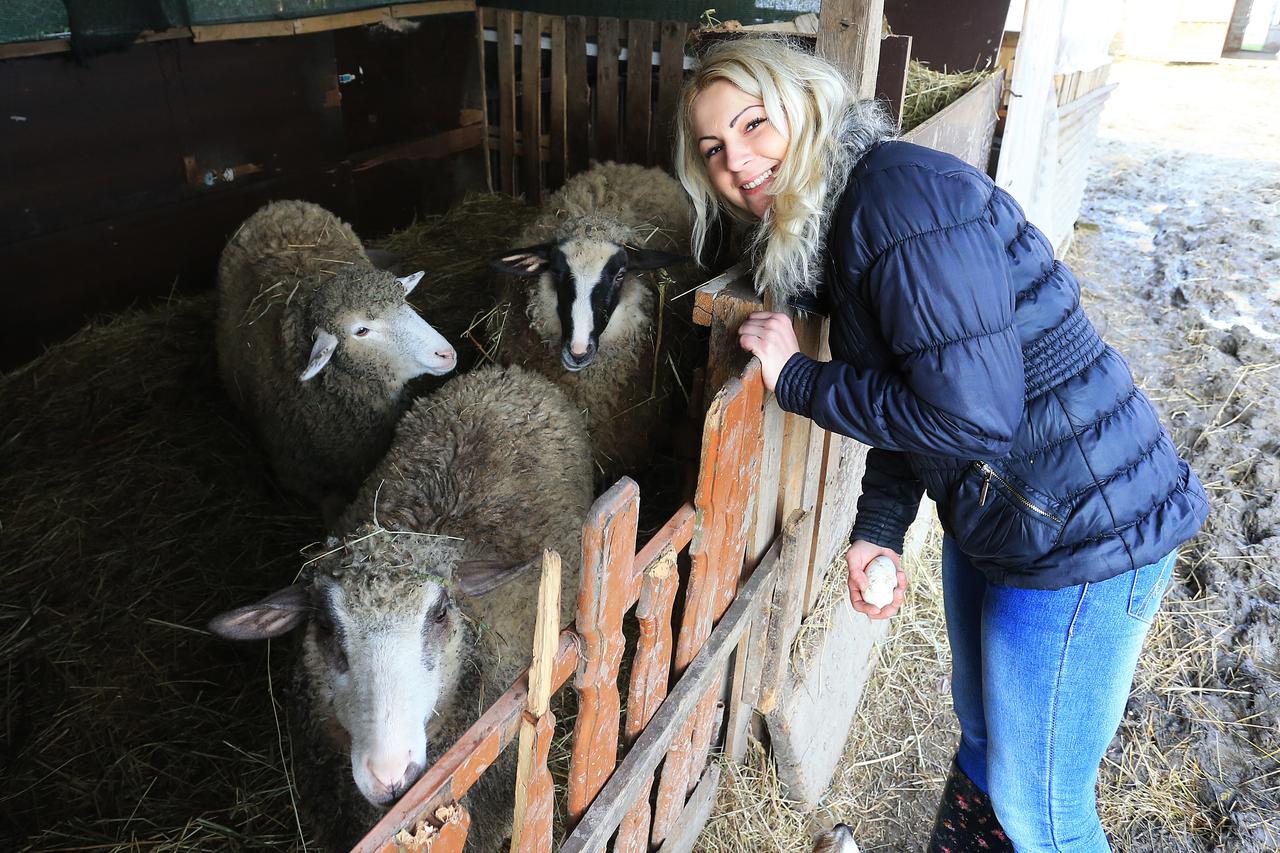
453, 774
670, 79
535, 791
444, 832
648, 683
506, 27
577, 94
483, 105
622, 789
608, 542
556, 166
849, 36
684, 837
606, 126
727, 480
531, 104
891, 77
639, 90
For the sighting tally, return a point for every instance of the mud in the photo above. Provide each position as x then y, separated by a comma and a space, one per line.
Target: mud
1178, 250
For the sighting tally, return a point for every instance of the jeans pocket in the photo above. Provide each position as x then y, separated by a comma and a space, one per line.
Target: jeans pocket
1149, 584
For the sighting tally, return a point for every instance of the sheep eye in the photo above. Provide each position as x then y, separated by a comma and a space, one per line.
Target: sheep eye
440, 612
362, 331
617, 279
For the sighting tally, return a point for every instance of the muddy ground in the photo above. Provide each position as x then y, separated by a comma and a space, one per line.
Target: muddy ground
1178, 250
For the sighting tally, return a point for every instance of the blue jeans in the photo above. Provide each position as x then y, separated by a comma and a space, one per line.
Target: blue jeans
1040, 679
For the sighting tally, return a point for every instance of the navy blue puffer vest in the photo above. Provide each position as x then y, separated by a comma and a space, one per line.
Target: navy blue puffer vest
961, 355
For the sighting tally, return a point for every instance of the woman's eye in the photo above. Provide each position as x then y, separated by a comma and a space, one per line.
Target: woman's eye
362, 331
754, 123
712, 151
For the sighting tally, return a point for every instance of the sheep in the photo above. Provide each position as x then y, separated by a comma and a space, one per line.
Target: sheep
588, 309
315, 345
480, 478
838, 839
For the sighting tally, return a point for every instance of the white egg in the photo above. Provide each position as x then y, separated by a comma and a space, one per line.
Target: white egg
882, 580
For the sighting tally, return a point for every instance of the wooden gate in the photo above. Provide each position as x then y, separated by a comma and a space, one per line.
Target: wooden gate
574, 89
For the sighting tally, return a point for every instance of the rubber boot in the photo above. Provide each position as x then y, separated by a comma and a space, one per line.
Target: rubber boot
966, 823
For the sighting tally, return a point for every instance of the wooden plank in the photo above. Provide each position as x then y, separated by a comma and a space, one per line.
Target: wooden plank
891, 75
622, 789
849, 36
648, 682
725, 356
483, 105
694, 817
670, 79
324, 23
453, 774
535, 792
639, 90
431, 147
965, 127
727, 480
506, 27
557, 165
608, 541
606, 126
577, 94
531, 104
443, 832
706, 293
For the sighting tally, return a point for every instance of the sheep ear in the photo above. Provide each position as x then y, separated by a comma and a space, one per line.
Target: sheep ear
652, 259
277, 614
533, 260
476, 577
409, 282
321, 352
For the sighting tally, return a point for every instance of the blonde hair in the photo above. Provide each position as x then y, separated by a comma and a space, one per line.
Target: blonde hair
827, 129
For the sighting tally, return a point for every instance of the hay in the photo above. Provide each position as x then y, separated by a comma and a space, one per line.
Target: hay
135, 510
929, 92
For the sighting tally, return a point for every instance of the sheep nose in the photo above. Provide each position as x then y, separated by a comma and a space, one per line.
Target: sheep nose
579, 351
392, 773
446, 354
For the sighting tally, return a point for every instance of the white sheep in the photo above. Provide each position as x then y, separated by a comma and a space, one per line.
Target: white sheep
587, 307
316, 346
389, 664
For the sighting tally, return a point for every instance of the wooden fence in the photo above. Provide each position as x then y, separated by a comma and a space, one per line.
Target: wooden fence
581, 89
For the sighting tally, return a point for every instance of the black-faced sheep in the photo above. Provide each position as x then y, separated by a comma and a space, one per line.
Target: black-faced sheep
316, 346
588, 321
481, 477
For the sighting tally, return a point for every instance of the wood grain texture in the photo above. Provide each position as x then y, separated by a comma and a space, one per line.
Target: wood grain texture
608, 543
557, 130
639, 90
607, 85
672, 38
531, 105
506, 28
577, 94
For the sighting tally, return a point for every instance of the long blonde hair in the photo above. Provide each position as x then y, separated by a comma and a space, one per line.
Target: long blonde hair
827, 128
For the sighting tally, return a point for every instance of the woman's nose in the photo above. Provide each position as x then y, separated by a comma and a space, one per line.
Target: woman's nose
737, 155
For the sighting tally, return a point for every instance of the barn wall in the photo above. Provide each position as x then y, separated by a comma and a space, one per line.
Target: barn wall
122, 177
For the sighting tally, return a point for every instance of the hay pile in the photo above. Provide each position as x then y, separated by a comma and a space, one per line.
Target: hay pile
135, 508
930, 92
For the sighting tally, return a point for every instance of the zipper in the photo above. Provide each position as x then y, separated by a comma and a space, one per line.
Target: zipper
989, 473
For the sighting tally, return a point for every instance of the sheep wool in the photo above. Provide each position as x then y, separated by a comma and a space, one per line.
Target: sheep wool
292, 278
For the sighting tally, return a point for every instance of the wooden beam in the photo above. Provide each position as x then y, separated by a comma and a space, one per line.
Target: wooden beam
429, 147
849, 36
599, 822
639, 91
606, 126
506, 26
694, 817
531, 104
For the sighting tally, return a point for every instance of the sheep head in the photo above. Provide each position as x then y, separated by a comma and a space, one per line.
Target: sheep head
585, 279
359, 324
383, 647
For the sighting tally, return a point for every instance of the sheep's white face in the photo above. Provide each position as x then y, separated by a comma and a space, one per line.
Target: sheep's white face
382, 659
385, 337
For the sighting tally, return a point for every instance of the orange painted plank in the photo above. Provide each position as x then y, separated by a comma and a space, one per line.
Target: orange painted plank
608, 551
444, 832
532, 832
648, 682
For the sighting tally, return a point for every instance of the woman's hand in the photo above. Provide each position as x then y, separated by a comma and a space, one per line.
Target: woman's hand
861, 553
770, 338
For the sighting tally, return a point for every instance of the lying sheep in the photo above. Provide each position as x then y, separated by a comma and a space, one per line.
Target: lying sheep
588, 309
316, 346
389, 663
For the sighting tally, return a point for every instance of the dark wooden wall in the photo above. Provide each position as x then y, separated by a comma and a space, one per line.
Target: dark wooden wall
104, 200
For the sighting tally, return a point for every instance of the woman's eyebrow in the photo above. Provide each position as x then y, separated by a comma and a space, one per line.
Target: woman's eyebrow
744, 109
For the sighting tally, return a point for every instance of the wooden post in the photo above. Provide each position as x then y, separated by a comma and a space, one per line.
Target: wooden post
849, 36
506, 28
608, 545
606, 141
559, 89
639, 90
535, 792
670, 79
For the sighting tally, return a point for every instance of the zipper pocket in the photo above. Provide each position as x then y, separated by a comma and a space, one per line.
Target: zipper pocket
989, 473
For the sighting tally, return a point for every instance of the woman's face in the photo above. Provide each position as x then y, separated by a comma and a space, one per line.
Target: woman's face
743, 150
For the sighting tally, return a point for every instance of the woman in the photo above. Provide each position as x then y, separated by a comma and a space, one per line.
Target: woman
961, 355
